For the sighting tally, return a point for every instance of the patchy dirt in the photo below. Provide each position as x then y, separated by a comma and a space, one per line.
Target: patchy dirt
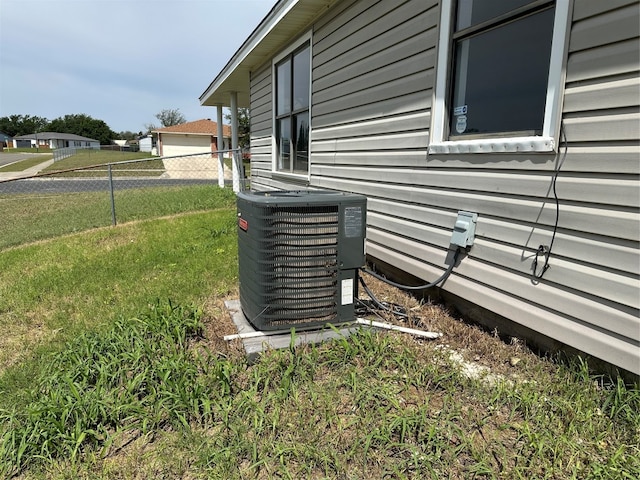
485, 353
481, 351
217, 322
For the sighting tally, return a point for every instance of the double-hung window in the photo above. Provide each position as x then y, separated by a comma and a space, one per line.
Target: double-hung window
292, 92
499, 75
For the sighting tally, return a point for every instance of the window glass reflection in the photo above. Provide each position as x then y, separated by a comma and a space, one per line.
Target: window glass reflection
284, 144
302, 143
501, 77
283, 94
301, 79
473, 12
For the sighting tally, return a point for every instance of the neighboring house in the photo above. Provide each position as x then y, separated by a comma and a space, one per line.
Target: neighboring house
191, 138
145, 144
5, 140
129, 145
54, 140
528, 118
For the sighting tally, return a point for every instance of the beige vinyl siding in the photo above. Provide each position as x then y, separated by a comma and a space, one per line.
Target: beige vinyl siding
373, 77
261, 126
602, 121
599, 23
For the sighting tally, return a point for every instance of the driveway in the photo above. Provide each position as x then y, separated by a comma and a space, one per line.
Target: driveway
195, 167
7, 158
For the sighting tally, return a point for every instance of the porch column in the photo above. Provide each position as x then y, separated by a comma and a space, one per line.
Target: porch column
234, 142
220, 147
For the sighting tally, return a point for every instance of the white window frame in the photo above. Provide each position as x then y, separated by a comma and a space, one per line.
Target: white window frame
306, 38
548, 141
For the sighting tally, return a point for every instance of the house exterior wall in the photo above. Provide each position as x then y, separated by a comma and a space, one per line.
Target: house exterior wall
373, 75
174, 144
54, 143
60, 143
145, 144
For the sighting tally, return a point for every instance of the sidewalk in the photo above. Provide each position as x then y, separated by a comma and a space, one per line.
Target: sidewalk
29, 172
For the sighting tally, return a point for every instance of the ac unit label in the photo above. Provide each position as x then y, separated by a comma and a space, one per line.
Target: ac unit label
347, 291
352, 222
243, 224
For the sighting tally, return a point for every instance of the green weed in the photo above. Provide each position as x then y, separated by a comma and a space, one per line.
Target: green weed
299, 413
52, 291
140, 376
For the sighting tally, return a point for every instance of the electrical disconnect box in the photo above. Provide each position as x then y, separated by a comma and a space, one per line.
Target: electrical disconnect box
464, 230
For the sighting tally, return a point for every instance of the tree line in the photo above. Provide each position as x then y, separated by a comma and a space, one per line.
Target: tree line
78, 124
86, 126
81, 124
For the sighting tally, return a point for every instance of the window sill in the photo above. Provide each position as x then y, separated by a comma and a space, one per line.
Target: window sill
294, 178
490, 145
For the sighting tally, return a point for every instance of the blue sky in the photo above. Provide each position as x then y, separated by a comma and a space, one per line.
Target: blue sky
121, 61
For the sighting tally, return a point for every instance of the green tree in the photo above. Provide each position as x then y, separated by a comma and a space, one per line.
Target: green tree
85, 126
170, 117
128, 135
15, 125
244, 127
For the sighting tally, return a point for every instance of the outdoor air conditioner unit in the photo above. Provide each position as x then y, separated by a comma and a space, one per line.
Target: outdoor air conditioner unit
299, 253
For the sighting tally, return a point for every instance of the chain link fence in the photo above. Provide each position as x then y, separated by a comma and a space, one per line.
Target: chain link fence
58, 201
62, 153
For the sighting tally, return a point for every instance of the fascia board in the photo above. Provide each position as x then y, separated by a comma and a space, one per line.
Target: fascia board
286, 19
273, 18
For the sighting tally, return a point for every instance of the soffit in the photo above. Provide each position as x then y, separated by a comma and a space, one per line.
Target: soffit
286, 20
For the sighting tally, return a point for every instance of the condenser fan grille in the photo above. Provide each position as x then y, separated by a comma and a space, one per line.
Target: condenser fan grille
300, 251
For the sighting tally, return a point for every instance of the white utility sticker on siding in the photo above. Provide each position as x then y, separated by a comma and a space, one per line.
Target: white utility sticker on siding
347, 291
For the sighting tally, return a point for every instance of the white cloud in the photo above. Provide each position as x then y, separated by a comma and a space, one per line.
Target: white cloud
121, 61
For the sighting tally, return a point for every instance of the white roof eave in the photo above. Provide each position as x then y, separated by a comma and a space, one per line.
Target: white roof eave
286, 19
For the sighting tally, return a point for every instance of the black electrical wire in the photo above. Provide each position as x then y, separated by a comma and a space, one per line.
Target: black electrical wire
543, 249
392, 308
369, 307
442, 278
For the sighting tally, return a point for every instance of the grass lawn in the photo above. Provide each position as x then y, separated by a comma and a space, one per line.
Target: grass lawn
97, 159
88, 157
148, 165
56, 289
112, 366
32, 217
